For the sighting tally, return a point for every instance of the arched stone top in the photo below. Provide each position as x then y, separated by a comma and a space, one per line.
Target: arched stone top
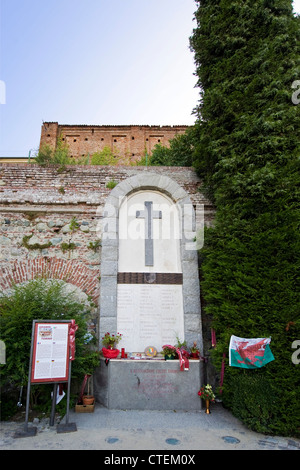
148, 181
145, 182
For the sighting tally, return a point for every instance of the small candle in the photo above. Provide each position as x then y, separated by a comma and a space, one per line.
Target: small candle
122, 353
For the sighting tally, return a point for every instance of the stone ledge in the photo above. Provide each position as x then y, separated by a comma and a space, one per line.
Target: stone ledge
148, 385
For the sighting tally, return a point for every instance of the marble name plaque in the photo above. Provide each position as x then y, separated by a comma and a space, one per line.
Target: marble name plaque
149, 314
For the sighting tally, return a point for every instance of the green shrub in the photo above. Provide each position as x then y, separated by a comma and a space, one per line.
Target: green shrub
103, 157
254, 401
48, 156
95, 245
67, 247
40, 299
111, 184
44, 156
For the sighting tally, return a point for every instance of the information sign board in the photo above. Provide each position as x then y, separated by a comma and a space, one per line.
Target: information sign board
50, 352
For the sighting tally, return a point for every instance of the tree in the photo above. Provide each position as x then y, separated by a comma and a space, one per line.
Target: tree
104, 157
59, 156
160, 156
247, 58
179, 153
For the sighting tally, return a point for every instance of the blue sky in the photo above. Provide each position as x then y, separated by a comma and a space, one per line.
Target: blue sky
94, 62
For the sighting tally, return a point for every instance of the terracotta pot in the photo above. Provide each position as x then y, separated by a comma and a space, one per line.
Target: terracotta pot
88, 400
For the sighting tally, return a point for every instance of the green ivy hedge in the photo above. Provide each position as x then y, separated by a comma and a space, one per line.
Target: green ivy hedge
247, 57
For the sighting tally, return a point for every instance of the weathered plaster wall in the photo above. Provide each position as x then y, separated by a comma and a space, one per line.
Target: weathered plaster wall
40, 203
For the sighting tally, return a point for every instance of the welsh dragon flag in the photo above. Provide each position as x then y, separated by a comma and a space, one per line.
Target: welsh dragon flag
249, 353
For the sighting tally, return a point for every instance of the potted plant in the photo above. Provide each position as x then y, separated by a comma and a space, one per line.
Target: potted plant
181, 344
110, 342
169, 352
88, 399
207, 394
195, 351
88, 363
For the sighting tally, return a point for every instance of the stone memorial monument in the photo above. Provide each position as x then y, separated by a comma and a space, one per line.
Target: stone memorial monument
149, 289
149, 294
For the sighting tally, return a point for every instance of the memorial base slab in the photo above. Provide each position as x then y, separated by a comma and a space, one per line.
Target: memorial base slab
147, 385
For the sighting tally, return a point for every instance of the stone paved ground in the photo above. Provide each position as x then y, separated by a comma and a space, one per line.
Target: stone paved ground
168, 431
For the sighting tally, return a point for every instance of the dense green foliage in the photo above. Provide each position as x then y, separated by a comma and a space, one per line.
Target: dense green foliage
39, 299
103, 157
247, 56
247, 151
179, 153
47, 156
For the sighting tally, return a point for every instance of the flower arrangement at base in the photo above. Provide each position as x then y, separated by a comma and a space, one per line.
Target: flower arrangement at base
169, 351
195, 351
206, 393
110, 341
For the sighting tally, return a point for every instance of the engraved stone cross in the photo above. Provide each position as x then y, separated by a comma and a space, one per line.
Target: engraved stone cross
148, 214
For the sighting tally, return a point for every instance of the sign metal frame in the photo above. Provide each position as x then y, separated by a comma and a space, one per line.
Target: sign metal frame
35, 357
61, 428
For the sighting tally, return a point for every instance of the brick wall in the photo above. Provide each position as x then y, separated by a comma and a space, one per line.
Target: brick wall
40, 203
126, 142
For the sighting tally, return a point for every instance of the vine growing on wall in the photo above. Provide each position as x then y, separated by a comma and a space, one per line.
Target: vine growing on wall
34, 246
70, 246
95, 245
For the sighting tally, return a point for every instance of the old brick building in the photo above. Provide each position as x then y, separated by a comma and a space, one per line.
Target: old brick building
128, 143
